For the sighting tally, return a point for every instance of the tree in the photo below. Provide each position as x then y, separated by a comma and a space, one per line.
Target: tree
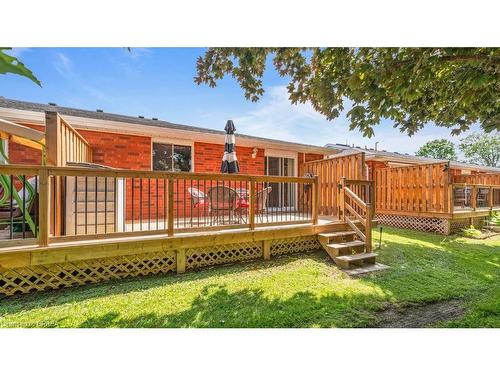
482, 149
452, 87
438, 149
11, 64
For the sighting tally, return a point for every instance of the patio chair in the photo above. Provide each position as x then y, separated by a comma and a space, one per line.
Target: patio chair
461, 197
198, 200
222, 201
261, 199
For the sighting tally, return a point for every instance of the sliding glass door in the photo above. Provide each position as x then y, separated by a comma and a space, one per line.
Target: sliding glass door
283, 194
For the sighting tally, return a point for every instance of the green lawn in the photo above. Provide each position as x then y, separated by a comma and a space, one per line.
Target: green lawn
305, 290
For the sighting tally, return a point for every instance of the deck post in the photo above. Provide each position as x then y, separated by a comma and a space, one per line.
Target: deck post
180, 256
315, 200
170, 207
53, 139
368, 228
266, 249
342, 197
252, 202
473, 198
44, 208
490, 198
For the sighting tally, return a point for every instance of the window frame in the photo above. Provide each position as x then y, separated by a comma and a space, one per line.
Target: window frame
173, 142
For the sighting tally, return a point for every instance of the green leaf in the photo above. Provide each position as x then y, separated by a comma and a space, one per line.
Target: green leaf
10, 64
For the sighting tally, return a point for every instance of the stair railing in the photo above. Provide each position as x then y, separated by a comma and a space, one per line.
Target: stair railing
353, 207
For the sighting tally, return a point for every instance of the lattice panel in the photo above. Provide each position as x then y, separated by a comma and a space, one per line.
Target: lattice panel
212, 255
424, 224
458, 224
294, 245
53, 276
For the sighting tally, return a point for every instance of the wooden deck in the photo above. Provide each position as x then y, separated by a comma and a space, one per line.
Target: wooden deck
130, 223
28, 267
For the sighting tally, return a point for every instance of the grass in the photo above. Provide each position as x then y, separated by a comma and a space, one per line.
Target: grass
304, 290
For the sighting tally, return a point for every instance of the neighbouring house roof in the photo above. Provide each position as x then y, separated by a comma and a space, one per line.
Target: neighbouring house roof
15, 110
396, 157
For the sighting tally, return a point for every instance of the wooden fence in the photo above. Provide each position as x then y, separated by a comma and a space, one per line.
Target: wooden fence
330, 172
418, 189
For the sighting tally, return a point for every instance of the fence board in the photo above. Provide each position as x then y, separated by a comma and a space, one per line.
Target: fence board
420, 188
329, 172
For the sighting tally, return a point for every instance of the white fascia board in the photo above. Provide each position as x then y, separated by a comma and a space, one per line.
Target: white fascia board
120, 127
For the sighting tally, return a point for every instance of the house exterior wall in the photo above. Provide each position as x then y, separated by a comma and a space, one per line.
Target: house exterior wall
19, 154
134, 152
304, 158
208, 156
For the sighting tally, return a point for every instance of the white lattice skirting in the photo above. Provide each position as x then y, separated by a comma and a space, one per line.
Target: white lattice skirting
429, 224
424, 224
60, 275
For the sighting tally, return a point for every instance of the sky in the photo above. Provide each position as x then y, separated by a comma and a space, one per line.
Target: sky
158, 82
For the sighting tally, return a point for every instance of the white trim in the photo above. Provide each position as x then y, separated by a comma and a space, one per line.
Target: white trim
280, 153
120, 127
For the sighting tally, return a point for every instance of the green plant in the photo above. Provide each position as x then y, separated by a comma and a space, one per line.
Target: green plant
471, 232
452, 87
494, 219
481, 148
11, 64
438, 149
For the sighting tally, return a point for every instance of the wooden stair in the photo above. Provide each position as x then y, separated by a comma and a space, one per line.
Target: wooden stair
346, 249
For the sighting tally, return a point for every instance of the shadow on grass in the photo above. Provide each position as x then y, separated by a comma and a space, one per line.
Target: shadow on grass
429, 269
216, 307
49, 298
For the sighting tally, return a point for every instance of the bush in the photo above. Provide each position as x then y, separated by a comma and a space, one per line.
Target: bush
471, 232
494, 219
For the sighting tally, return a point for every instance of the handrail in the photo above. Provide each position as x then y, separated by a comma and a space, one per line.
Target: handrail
84, 171
357, 215
73, 130
64, 143
348, 208
355, 229
353, 195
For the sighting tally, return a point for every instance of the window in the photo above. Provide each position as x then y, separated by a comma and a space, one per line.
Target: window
172, 158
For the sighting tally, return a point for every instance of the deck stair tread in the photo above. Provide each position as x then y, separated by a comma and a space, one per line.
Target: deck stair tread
342, 245
360, 256
337, 234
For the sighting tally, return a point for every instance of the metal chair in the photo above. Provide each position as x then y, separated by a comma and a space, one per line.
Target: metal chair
198, 200
222, 200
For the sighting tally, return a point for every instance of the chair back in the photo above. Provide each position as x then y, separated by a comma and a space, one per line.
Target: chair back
197, 195
222, 198
262, 197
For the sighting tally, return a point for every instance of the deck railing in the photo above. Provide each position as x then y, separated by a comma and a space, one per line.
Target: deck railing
431, 189
471, 197
418, 189
111, 203
356, 201
64, 143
